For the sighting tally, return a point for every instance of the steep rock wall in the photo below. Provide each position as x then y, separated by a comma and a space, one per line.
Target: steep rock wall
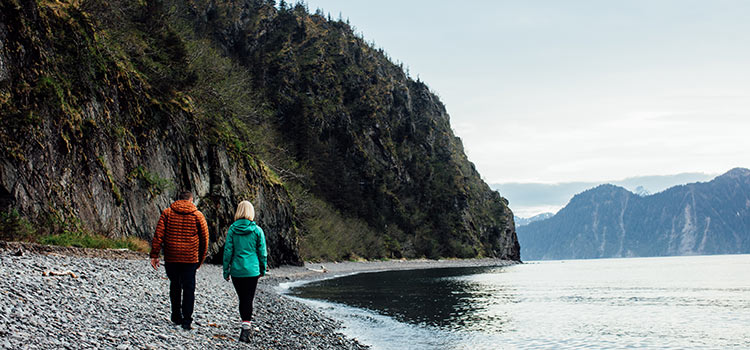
88, 142
377, 144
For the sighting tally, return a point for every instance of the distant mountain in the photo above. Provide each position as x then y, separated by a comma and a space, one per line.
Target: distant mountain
529, 199
525, 221
610, 221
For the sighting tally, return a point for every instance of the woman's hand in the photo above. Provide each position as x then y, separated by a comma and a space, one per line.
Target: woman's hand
227, 278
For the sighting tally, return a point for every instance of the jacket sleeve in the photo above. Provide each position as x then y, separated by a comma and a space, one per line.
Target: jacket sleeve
228, 253
203, 236
261, 251
158, 235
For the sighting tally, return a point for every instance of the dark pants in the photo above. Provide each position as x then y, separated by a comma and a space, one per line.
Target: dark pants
181, 290
245, 287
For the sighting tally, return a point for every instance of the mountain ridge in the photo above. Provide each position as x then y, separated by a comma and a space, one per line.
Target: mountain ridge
529, 199
610, 221
525, 221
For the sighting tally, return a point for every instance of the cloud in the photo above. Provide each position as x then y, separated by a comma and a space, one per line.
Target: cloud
628, 144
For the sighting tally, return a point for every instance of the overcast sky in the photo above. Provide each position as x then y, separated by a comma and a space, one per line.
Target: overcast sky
559, 91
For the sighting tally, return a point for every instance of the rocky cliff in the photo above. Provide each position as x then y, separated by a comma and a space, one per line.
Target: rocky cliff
110, 107
375, 144
89, 142
609, 221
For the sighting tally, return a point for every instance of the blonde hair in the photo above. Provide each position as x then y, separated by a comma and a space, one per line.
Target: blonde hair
245, 210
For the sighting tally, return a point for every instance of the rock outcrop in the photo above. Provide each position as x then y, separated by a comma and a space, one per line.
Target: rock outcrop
89, 144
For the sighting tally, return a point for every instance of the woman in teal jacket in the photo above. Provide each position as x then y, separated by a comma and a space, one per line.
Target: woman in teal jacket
245, 260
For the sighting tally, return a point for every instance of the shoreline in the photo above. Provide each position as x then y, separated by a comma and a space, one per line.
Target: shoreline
63, 297
312, 271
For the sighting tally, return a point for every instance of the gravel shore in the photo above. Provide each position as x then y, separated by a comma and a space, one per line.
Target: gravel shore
55, 298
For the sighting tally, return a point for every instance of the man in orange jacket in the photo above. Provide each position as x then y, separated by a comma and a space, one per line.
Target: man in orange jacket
183, 233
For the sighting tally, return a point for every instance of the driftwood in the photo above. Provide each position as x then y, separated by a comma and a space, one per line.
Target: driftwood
59, 273
322, 269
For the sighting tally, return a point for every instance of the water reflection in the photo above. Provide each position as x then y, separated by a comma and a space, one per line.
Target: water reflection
440, 298
654, 303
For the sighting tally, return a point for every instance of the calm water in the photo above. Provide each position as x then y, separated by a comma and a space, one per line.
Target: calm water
677, 302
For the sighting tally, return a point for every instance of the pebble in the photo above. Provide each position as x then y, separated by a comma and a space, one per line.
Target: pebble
124, 304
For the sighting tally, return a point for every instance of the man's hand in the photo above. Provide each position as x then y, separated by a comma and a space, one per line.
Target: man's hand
155, 263
227, 278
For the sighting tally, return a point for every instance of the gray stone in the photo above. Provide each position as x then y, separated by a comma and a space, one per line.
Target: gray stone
73, 316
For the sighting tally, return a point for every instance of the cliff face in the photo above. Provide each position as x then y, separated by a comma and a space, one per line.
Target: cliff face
609, 221
375, 144
89, 143
113, 106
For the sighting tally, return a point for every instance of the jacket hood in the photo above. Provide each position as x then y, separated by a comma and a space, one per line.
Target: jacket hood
183, 206
243, 227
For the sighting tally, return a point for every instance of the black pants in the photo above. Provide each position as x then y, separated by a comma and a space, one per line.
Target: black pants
245, 287
181, 290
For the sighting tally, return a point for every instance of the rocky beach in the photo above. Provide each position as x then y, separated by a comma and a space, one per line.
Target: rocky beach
73, 298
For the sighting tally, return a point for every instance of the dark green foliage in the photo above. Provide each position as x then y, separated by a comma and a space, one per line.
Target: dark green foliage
68, 66
13, 227
68, 231
154, 184
83, 240
331, 236
108, 173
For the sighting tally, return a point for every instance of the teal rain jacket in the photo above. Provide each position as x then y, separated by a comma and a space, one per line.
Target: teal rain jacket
245, 250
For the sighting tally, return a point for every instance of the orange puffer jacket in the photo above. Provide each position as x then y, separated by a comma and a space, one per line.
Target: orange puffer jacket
183, 232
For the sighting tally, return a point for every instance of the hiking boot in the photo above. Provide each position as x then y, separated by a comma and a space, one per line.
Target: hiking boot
245, 335
176, 319
186, 326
